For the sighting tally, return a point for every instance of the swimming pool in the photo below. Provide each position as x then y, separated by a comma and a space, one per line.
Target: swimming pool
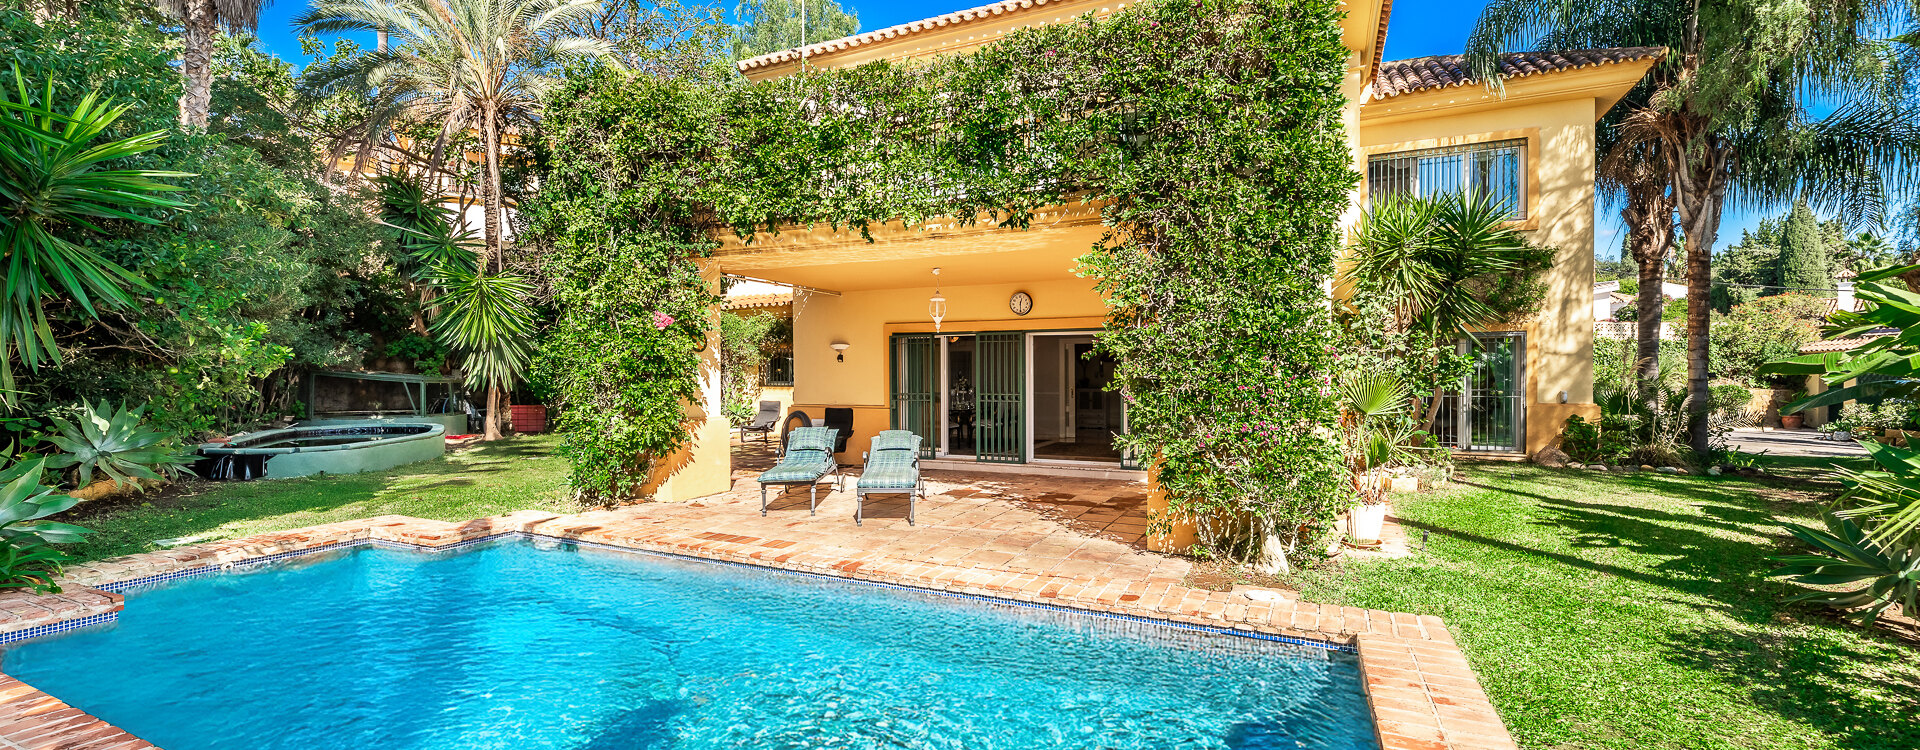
534, 644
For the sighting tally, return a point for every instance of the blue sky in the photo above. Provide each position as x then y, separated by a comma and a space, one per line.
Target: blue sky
1418, 28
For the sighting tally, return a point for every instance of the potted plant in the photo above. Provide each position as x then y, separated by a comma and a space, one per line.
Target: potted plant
1374, 434
1796, 420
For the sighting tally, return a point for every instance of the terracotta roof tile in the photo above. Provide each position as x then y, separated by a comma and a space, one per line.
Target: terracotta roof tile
956, 18
1447, 71
1841, 345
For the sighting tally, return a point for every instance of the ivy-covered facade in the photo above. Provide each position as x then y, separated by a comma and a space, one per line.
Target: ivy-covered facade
1133, 215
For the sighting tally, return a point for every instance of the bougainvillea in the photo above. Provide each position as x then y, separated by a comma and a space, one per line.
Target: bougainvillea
1208, 131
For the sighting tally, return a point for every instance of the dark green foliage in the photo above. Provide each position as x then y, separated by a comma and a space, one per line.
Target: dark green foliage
743, 341
264, 273
1765, 330
62, 176
1803, 256
1748, 269
1226, 172
1595, 442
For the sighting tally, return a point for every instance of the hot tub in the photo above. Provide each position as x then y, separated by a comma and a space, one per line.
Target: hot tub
331, 448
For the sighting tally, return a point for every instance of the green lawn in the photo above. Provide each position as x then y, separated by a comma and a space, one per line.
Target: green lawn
515, 474
1626, 611
1600, 610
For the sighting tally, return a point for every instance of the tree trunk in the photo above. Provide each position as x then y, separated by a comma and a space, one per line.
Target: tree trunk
1700, 191
196, 63
1649, 218
490, 124
491, 260
496, 411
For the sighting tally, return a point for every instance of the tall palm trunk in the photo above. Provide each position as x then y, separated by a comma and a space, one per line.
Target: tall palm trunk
196, 63
491, 260
1649, 217
1704, 167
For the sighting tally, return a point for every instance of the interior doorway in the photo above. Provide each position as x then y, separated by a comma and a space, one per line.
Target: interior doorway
1074, 415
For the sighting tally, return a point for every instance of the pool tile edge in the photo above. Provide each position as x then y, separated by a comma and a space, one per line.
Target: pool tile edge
1423, 693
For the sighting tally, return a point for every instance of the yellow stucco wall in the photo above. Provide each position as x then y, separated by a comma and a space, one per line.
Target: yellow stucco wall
866, 321
1560, 214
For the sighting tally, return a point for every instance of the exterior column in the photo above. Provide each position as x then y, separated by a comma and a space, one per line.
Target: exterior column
1182, 535
705, 466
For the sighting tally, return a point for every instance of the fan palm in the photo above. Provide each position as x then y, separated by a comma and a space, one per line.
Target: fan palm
479, 64
1373, 407
200, 19
53, 183
1727, 115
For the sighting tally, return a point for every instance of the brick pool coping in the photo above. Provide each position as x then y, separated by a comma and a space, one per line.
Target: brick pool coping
1423, 694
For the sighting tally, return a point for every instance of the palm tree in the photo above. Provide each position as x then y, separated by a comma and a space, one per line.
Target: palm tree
55, 184
1727, 114
200, 19
480, 64
465, 64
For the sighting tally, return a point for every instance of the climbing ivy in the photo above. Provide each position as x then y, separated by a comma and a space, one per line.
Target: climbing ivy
1207, 131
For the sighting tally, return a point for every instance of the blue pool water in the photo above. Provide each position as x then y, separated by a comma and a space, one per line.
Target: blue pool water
523, 644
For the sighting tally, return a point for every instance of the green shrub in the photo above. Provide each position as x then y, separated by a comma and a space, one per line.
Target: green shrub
1765, 330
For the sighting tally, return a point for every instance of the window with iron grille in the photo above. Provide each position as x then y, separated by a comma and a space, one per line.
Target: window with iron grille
1497, 170
778, 369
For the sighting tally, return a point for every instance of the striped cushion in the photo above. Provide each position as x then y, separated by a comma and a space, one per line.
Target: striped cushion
896, 440
812, 439
889, 476
890, 458
798, 466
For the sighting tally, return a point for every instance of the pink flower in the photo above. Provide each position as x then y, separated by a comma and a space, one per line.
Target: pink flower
661, 320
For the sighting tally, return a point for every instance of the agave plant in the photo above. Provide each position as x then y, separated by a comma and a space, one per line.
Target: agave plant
32, 566
1890, 570
115, 442
25, 559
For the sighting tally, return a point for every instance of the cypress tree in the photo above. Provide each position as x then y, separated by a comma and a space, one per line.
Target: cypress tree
1803, 257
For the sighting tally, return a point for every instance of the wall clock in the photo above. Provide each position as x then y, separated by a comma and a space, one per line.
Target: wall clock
1022, 303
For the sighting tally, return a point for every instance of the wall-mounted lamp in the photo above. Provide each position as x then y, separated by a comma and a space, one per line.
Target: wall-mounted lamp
937, 306
840, 351
1563, 397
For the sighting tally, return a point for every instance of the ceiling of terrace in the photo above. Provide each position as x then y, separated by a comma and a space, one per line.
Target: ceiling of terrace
904, 257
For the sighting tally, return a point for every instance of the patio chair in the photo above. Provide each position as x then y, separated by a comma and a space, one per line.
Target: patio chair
892, 468
763, 422
840, 418
808, 458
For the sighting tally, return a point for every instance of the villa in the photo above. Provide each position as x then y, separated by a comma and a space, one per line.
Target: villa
979, 338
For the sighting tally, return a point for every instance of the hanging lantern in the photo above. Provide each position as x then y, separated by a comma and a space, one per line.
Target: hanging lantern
937, 306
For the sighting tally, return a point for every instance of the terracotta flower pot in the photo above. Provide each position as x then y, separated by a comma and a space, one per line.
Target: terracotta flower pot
1789, 421
529, 418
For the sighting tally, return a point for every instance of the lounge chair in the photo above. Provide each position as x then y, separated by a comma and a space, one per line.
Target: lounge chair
808, 459
840, 418
893, 468
763, 422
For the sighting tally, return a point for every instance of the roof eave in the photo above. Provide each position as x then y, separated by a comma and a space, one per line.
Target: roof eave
1605, 84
